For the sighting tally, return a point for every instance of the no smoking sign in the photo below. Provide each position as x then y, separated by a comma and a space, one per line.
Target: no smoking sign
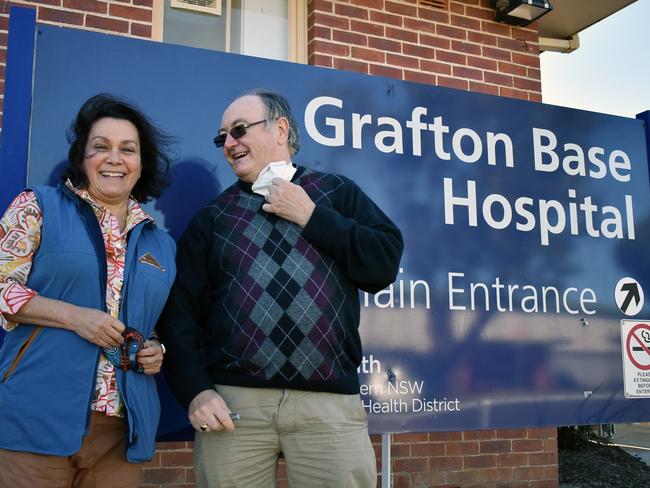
635, 345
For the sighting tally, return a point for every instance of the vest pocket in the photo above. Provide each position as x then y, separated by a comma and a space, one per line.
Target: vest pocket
21, 352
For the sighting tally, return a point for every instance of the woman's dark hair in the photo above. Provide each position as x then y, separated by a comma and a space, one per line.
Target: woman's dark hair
153, 145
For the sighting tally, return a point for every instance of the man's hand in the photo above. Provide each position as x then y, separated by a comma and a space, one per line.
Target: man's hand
209, 412
289, 201
150, 357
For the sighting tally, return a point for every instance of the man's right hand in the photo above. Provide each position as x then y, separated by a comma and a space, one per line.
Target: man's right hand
208, 412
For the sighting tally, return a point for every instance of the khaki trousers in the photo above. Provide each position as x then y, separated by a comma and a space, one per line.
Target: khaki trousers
323, 437
100, 463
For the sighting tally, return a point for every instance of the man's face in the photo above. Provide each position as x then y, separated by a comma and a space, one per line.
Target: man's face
260, 145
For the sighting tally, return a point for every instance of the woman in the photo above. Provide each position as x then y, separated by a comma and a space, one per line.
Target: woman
84, 274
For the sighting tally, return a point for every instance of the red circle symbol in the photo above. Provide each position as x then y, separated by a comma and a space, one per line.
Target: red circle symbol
636, 343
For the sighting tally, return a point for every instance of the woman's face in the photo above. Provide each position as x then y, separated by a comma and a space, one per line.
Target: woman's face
112, 160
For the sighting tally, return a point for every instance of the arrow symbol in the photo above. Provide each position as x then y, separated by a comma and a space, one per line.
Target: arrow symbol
632, 293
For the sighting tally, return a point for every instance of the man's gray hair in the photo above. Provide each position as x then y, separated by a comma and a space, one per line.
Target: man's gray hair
277, 106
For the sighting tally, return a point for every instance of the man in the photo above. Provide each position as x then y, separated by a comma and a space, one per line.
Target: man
263, 318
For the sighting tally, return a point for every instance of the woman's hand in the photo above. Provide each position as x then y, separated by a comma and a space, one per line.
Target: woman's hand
150, 357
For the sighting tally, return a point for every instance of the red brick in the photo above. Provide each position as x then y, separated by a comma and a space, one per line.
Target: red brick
497, 447
483, 461
453, 83
384, 18
402, 61
317, 59
162, 446
498, 79
529, 474
400, 450
107, 24
143, 3
419, 25
494, 53
445, 436
534, 73
525, 59
132, 13
542, 433
322, 32
514, 459
385, 44
513, 69
367, 28
348, 37
551, 472
351, 11
466, 47
465, 478
530, 35
350, 65
531, 445
479, 13
542, 484
334, 21
544, 458
450, 57
87, 5
482, 38
401, 34
400, 9
465, 22
457, 8
376, 4
430, 449
512, 93
550, 445
411, 465
460, 448
482, 63
418, 77
435, 67
163, 475
61, 16
495, 28
483, 88
496, 474
434, 41
322, 6
429, 479
450, 463
448, 31
141, 30
387, 71
368, 54
56, 3
433, 15
526, 84
512, 44
418, 51
327, 47
464, 72
176, 458
411, 437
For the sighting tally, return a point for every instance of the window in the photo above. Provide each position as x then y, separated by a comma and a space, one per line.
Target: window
275, 29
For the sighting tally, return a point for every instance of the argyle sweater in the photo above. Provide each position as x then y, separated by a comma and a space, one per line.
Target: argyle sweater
260, 302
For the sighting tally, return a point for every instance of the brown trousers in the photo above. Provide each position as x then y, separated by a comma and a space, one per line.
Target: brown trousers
100, 463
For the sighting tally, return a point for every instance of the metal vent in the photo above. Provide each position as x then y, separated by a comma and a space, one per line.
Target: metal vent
212, 7
440, 4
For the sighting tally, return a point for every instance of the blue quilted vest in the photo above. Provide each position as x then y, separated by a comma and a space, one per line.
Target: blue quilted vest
47, 374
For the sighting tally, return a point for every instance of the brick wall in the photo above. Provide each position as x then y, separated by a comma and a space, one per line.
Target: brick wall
128, 17
458, 46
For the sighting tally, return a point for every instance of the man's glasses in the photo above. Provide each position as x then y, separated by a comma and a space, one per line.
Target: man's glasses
235, 132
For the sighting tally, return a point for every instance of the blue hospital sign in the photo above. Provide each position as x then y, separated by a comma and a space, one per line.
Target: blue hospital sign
526, 226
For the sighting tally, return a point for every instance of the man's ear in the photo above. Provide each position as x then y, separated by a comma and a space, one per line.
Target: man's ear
283, 130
